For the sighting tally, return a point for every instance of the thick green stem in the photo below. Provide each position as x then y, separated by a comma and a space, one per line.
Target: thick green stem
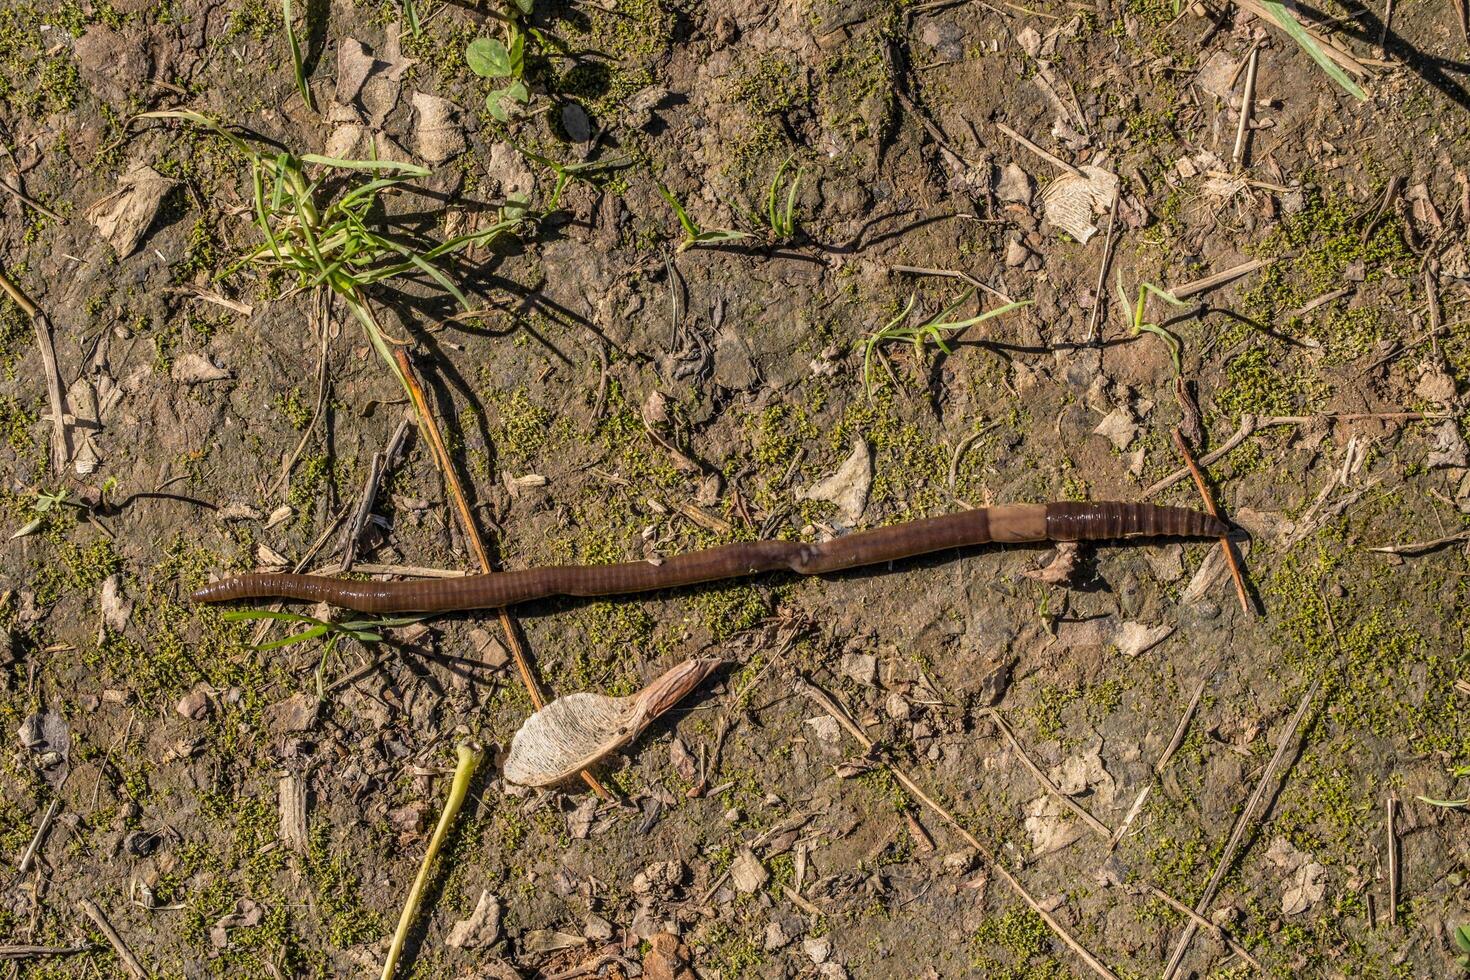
464, 772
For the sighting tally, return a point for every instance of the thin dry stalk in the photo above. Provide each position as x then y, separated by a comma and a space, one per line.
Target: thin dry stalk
1247, 105
1391, 822
1419, 547
919, 270
1181, 728
1100, 292
1096, 825
1209, 500
33, 952
381, 463
839, 714
31, 202
29, 857
1313, 304
61, 449
451, 479
1204, 923
1050, 158
129, 961
1242, 823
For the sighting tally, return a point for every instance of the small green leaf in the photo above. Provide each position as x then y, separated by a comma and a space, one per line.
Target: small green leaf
488, 58
496, 106
517, 54
1462, 937
517, 90
525, 6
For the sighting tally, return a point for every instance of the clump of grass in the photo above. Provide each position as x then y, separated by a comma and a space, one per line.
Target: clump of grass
933, 329
693, 233
336, 243
1146, 289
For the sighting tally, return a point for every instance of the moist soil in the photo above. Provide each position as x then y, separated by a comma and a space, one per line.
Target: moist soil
239, 809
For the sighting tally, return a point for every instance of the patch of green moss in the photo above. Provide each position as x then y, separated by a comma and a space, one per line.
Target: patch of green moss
334, 875
77, 568
1016, 945
1255, 383
769, 86
34, 81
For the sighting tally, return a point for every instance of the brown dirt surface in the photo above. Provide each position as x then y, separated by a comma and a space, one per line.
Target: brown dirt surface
239, 808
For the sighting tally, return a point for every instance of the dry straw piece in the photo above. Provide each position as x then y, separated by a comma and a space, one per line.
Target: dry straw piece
577, 731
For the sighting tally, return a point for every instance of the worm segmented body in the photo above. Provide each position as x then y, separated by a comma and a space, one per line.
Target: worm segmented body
1011, 523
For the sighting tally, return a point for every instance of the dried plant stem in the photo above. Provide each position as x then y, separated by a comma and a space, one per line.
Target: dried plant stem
61, 450
839, 714
1092, 822
1209, 501
451, 479
1247, 103
464, 772
1391, 824
130, 962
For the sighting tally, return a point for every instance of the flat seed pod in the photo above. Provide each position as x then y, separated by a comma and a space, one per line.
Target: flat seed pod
576, 731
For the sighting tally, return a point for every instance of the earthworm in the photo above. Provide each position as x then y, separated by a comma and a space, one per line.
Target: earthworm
1011, 523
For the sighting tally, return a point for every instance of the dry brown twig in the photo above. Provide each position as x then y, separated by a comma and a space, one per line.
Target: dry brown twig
456, 490
1209, 501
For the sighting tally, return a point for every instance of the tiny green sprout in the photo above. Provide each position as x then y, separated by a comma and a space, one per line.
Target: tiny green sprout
364, 631
1462, 940
782, 222
1139, 326
40, 507
934, 329
693, 233
568, 172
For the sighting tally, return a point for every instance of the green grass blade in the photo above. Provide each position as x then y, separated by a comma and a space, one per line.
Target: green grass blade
1293, 27
298, 65
390, 166
790, 219
294, 638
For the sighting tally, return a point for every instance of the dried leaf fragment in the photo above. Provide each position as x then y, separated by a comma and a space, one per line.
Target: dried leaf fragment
124, 216
1070, 201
